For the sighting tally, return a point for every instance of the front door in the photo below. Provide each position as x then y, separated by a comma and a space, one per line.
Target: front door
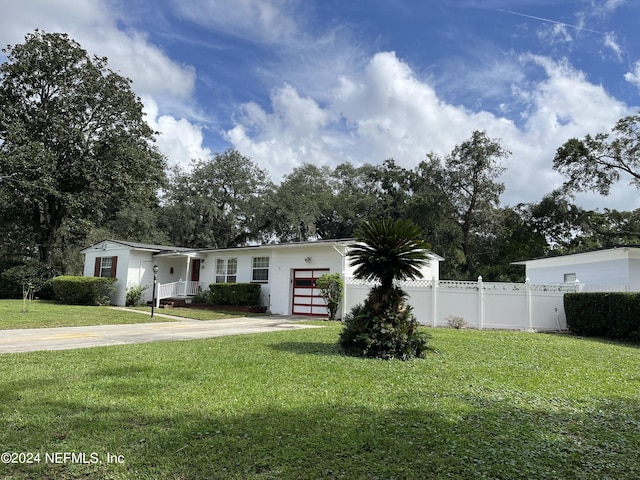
195, 270
306, 297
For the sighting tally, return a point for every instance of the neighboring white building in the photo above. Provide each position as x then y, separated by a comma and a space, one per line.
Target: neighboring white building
286, 272
613, 269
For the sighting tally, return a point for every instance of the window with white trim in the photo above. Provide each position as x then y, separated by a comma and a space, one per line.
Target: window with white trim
569, 278
226, 270
260, 269
105, 267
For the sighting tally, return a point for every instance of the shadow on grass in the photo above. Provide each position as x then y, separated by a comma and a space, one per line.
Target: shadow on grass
307, 348
477, 438
603, 340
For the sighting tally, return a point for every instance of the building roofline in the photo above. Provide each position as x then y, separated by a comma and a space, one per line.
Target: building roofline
137, 246
163, 250
586, 252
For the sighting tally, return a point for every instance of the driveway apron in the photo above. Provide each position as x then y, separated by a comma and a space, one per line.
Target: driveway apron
67, 338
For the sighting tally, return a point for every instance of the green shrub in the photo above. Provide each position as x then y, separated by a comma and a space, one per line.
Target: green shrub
203, 297
134, 295
46, 292
331, 287
31, 279
613, 315
8, 287
383, 327
455, 321
74, 290
235, 294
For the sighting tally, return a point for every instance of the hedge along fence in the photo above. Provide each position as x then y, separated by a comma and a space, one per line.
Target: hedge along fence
613, 315
233, 294
73, 290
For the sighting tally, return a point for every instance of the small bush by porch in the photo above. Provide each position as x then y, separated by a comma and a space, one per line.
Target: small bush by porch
235, 295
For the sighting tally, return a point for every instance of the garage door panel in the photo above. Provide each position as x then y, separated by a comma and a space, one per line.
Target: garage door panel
307, 299
302, 310
304, 292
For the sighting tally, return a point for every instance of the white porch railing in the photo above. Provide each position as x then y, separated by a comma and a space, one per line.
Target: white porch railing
176, 289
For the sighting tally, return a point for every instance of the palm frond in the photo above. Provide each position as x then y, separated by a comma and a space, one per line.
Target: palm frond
387, 251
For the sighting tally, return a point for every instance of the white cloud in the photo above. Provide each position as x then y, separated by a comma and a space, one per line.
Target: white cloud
156, 78
613, 4
179, 140
634, 75
562, 106
268, 21
93, 23
607, 6
611, 42
292, 134
556, 32
384, 110
132, 55
333, 103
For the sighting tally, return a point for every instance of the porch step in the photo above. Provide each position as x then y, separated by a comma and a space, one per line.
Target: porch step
171, 303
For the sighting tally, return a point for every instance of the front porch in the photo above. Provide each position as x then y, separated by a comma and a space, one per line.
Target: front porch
180, 291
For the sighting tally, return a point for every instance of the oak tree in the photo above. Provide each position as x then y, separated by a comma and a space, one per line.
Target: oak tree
219, 202
74, 143
597, 162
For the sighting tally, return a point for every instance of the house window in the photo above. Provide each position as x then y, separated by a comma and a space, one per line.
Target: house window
105, 267
260, 270
226, 270
569, 278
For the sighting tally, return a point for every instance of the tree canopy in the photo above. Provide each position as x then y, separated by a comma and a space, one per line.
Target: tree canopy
74, 144
597, 162
78, 164
219, 202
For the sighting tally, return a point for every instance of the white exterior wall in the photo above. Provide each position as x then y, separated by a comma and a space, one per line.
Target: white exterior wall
140, 272
122, 269
614, 267
244, 273
287, 260
283, 260
605, 272
634, 274
135, 267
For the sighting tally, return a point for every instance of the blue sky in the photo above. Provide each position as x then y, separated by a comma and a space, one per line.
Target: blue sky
328, 81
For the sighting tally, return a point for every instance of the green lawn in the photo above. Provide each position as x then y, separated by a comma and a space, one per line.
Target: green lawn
42, 314
196, 313
286, 405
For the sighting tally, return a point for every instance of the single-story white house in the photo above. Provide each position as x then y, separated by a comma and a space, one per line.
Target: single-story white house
612, 269
286, 272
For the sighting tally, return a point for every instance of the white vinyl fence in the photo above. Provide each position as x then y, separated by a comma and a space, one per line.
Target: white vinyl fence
481, 304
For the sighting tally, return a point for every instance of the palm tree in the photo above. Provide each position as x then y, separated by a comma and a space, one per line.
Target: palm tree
388, 250
384, 327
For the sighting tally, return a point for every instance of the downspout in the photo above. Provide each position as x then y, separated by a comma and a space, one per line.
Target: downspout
344, 279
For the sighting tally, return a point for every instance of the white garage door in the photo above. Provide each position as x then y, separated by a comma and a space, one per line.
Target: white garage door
306, 297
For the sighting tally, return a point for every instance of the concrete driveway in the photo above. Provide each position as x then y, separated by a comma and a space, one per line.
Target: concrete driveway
67, 338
